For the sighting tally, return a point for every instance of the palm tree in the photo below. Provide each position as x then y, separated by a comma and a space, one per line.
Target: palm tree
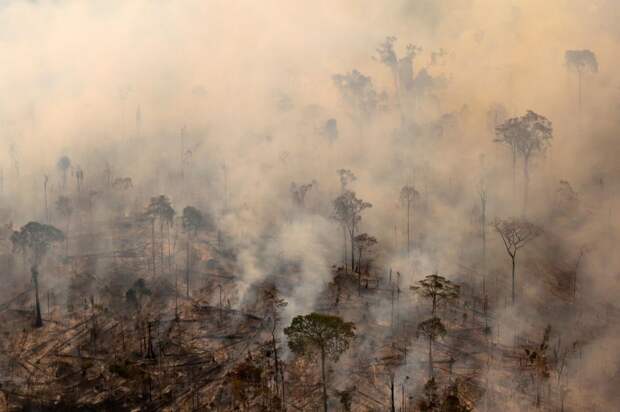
64, 163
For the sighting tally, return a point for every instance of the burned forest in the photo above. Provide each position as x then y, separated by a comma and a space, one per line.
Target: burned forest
363, 206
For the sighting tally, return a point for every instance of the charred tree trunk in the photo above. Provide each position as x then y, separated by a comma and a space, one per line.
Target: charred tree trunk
67, 237
352, 235
513, 258
161, 245
514, 172
392, 401
526, 183
323, 380
430, 357
344, 249
38, 321
276, 362
153, 243
188, 262
408, 226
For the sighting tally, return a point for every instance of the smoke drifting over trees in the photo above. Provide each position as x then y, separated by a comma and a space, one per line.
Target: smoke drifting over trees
188, 189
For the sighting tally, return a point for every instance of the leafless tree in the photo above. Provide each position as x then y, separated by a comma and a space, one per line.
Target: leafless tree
515, 234
408, 197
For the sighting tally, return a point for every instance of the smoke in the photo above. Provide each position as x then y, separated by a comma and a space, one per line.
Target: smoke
221, 104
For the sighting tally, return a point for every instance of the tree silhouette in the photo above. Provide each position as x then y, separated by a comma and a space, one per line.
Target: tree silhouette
346, 177
515, 234
159, 209
330, 130
358, 91
79, 177
401, 68
193, 221
526, 135
432, 329
348, 209
408, 196
34, 240
363, 243
273, 305
136, 294
582, 62
64, 163
437, 289
430, 402
299, 192
328, 335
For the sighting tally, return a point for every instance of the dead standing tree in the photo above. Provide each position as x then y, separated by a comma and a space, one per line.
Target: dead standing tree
408, 196
193, 222
515, 234
273, 306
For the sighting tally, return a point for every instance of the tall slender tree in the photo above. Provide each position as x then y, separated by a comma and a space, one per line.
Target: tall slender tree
34, 240
328, 335
432, 329
346, 177
348, 211
527, 136
408, 197
65, 209
515, 234
581, 62
274, 304
64, 163
159, 209
193, 222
